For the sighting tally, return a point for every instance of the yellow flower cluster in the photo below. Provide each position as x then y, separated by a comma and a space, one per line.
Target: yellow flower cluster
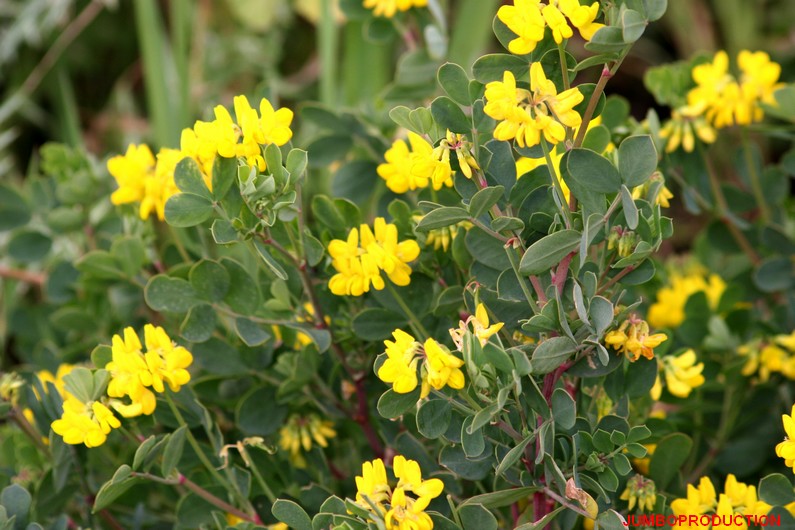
298, 433
669, 309
686, 124
664, 195
143, 179
525, 115
401, 507
438, 367
415, 168
682, 375
529, 18
388, 8
360, 259
86, 423
640, 491
134, 372
737, 499
766, 357
633, 339
725, 100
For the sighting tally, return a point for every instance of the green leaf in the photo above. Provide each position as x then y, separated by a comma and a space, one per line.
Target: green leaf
510, 459
476, 517
671, 452
543, 522
393, 405
101, 355
328, 149
14, 209
441, 217
273, 159
173, 450
454, 80
187, 209
269, 260
250, 332
223, 232
655, 9
291, 514
243, 295
592, 171
638, 433
448, 115
355, 180
80, 383
776, 490
547, 252
607, 39
327, 213
188, 178
256, 420
774, 274
16, 500
433, 418
564, 409
375, 324
630, 209
597, 139
174, 295
499, 499
28, 246
130, 253
601, 312
210, 280
492, 67
637, 160
484, 199
224, 175
143, 451
100, 264
633, 24
551, 353
297, 162
507, 223
114, 488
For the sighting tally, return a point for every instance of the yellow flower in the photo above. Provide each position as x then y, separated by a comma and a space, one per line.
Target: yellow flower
480, 327
682, 374
633, 339
299, 432
441, 368
786, 449
743, 497
669, 309
143, 179
525, 116
400, 367
441, 238
685, 125
372, 486
406, 513
166, 361
388, 8
397, 170
85, 423
527, 19
45, 376
664, 195
129, 375
463, 153
429, 164
640, 491
402, 512
727, 101
768, 357
360, 259
699, 500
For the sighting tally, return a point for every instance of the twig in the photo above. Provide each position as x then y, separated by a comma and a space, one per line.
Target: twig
35, 278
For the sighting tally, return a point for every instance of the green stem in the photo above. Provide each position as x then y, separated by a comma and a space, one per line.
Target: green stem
564, 68
522, 283
200, 453
327, 42
416, 325
562, 203
260, 479
753, 174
